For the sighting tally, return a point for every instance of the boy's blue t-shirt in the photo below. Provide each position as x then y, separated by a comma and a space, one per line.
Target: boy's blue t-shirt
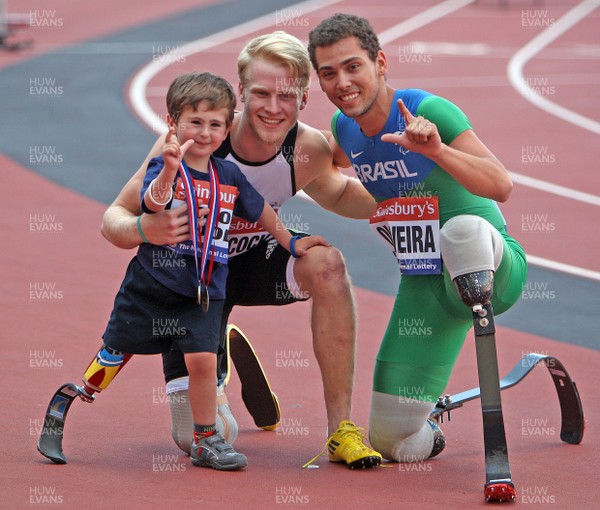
174, 266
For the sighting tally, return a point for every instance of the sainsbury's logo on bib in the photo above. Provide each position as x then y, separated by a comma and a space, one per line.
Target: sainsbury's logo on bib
408, 208
411, 227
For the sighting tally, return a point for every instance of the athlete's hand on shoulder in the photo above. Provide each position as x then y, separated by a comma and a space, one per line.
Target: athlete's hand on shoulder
169, 226
306, 243
420, 135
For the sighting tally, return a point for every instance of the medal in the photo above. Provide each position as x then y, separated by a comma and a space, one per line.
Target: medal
206, 256
203, 297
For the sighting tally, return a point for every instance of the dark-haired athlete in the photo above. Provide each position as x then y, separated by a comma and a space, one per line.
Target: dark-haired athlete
436, 185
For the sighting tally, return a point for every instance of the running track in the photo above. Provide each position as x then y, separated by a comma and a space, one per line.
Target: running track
69, 148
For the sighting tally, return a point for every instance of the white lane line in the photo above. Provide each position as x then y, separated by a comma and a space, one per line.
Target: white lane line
563, 268
537, 44
420, 20
555, 189
473, 49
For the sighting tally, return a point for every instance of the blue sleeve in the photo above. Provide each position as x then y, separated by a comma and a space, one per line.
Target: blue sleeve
154, 167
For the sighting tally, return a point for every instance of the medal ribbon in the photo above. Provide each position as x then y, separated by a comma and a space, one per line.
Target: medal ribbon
206, 254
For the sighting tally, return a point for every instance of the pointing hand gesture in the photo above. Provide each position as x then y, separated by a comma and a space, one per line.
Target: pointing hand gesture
160, 191
172, 152
420, 135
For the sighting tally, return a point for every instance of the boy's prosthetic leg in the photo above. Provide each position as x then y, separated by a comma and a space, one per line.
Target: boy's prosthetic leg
99, 374
102, 370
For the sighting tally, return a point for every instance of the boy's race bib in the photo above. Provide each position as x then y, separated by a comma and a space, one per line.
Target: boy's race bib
220, 245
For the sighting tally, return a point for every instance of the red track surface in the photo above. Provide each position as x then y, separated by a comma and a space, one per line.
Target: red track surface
119, 448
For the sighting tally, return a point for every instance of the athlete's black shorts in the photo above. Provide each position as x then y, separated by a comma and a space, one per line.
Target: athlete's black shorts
149, 318
256, 278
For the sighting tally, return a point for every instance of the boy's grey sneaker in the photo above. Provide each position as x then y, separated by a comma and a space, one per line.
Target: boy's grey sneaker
213, 451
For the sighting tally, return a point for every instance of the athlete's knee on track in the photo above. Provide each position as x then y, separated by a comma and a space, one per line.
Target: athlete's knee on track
398, 427
384, 438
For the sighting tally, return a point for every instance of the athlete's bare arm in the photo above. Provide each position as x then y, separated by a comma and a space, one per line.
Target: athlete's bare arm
340, 159
321, 179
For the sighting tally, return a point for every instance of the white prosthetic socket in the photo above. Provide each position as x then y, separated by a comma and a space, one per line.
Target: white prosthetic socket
470, 244
398, 427
182, 422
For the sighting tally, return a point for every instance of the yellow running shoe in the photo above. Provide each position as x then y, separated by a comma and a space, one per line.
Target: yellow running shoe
346, 445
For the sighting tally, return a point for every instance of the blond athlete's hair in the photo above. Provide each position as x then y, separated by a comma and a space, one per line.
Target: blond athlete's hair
279, 48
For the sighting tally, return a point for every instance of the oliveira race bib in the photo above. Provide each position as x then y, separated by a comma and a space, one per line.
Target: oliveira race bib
411, 226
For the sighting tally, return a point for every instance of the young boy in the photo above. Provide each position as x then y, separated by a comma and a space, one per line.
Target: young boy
173, 295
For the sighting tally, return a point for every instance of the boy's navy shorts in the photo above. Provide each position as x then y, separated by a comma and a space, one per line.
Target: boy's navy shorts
149, 318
